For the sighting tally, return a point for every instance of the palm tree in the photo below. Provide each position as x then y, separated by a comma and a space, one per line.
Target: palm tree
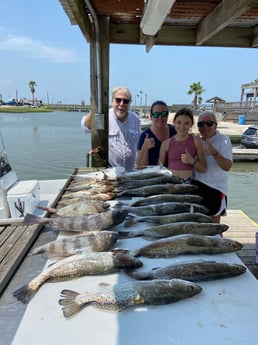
197, 90
32, 85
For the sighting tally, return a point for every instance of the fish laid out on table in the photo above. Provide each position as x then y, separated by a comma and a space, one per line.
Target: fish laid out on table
192, 271
71, 198
92, 222
80, 264
169, 188
163, 208
178, 228
95, 241
170, 218
160, 198
131, 294
187, 244
79, 208
149, 181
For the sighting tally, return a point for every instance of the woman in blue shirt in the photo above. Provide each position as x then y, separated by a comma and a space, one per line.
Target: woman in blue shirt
151, 139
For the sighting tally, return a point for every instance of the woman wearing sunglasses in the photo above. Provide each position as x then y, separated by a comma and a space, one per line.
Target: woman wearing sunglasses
151, 139
184, 150
124, 130
213, 184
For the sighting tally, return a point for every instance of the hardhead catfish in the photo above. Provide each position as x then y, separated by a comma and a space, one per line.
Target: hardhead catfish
192, 271
187, 244
79, 208
178, 228
80, 264
160, 189
160, 198
96, 241
163, 208
130, 294
169, 218
91, 222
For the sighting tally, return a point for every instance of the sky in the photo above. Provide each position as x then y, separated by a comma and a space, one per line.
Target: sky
38, 43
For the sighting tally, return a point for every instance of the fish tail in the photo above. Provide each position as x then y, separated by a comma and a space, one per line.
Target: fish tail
24, 294
129, 234
30, 219
68, 302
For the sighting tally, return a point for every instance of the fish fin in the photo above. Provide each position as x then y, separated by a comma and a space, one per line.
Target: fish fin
30, 219
68, 303
24, 294
128, 234
155, 268
47, 209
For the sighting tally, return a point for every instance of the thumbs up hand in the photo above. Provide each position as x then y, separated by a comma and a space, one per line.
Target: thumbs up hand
187, 158
148, 142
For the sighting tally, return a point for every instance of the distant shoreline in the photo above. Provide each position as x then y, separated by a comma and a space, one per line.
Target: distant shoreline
21, 109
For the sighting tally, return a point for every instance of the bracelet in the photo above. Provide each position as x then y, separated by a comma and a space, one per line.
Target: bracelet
215, 154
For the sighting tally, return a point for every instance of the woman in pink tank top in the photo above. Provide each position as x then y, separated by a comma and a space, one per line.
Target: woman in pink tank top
184, 150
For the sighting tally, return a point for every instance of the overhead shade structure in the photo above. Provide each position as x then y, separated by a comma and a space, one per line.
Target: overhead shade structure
154, 15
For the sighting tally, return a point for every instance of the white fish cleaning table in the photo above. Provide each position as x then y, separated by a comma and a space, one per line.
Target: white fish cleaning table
225, 312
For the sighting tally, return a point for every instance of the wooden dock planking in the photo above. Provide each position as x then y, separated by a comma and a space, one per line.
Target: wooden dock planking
243, 230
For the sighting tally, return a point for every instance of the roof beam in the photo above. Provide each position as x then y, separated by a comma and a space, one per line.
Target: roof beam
77, 13
220, 17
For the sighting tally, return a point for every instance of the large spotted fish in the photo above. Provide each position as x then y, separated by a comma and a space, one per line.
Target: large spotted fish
192, 271
187, 244
81, 264
130, 294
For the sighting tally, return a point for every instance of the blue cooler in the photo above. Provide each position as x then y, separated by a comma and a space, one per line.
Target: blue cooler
241, 120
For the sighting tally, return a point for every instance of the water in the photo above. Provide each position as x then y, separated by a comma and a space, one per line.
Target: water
51, 145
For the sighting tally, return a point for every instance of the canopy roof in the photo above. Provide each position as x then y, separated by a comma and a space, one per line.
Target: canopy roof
227, 23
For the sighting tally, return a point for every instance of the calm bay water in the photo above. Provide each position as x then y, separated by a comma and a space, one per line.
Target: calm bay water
50, 145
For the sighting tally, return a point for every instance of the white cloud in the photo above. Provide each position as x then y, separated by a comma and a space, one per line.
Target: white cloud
37, 49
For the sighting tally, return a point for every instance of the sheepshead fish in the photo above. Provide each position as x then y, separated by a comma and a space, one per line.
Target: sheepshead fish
91, 222
79, 208
124, 295
96, 241
163, 208
191, 271
80, 264
178, 228
169, 188
169, 218
187, 244
160, 198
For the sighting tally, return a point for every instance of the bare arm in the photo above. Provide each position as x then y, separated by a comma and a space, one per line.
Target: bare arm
224, 163
163, 152
87, 121
142, 158
200, 163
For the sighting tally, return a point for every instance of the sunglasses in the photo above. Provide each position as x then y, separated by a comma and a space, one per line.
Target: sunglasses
207, 123
124, 100
156, 114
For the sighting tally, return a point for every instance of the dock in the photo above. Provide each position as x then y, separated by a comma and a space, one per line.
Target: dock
243, 154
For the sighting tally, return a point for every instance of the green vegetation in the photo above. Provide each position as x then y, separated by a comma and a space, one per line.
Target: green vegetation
197, 90
21, 109
32, 85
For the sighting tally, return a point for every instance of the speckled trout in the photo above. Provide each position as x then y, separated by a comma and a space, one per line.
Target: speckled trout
191, 271
124, 295
92, 222
170, 188
187, 244
163, 208
160, 198
96, 241
169, 218
80, 264
178, 228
